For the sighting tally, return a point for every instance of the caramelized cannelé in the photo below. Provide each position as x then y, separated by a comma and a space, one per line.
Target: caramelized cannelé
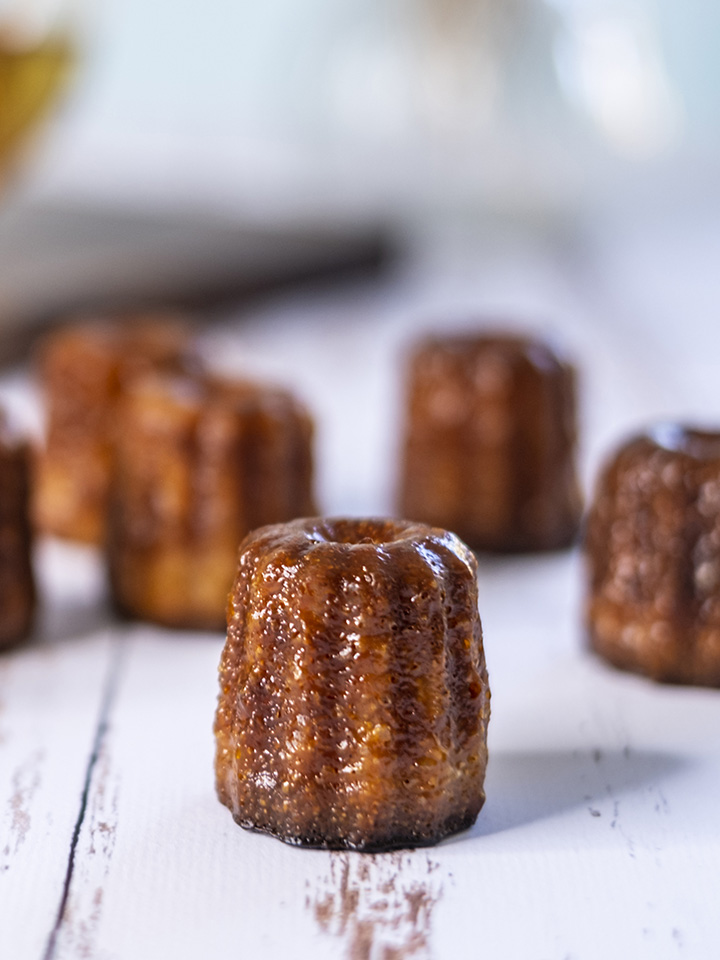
653, 556
83, 369
354, 697
17, 584
490, 442
198, 463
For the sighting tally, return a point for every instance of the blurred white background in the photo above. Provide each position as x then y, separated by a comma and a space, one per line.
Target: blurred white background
436, 121
400, 107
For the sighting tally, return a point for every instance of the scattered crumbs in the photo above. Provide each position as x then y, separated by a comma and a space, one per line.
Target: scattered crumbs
377, 904
677, 936
432, 865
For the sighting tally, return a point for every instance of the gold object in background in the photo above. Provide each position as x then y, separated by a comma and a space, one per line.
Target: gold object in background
31, 76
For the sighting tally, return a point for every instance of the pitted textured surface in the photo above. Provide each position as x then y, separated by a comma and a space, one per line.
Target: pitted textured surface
17, 584
653, 553
354, 697
83, 370
198, 463
490, 442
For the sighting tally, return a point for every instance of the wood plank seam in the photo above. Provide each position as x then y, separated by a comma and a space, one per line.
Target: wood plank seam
110, 689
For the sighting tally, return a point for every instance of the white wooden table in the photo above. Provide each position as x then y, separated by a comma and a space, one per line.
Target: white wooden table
600, 833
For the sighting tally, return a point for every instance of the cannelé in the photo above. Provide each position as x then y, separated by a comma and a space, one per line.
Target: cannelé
198, 462
652, 549
83, 368
354, 696
490, 441
17, 583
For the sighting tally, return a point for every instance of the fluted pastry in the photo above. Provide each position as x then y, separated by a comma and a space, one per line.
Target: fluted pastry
354, 697
83, 369
17, 583
198, 463
653, 556
490, 442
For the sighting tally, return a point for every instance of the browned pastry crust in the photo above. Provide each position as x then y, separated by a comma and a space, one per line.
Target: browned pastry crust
490, 442
83, 369
653, 556
17, 585
354, 698
198, 463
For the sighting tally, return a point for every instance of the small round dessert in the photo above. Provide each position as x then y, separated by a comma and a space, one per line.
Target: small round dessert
83, 368
653, 555
17, 583
490, 442
199, 462
354, 698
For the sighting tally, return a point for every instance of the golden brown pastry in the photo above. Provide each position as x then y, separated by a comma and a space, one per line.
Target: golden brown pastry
490, 442
653, 556
198, 463
83, 369
17, 585
354, 698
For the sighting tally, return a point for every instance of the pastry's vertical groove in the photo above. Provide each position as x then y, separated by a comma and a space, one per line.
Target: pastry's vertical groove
349, 618
653, 555
489, 448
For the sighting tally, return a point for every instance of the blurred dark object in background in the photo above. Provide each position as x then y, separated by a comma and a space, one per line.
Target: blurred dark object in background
57, 260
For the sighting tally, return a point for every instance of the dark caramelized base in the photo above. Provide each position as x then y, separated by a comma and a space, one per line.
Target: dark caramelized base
402, 840
679, 666
354, 699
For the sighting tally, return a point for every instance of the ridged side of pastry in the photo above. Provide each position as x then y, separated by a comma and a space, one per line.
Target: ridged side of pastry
490, 442
83, 368
354, 697
17, 585
653, 557
197, 465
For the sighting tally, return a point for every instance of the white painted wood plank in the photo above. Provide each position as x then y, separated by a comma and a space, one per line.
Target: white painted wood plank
50, 696
161, 868
598, 837
599, 825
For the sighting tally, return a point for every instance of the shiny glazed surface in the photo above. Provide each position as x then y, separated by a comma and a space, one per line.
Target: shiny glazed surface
198, 463
490, 442
17, 585
653, 556
354, 698
83, 370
